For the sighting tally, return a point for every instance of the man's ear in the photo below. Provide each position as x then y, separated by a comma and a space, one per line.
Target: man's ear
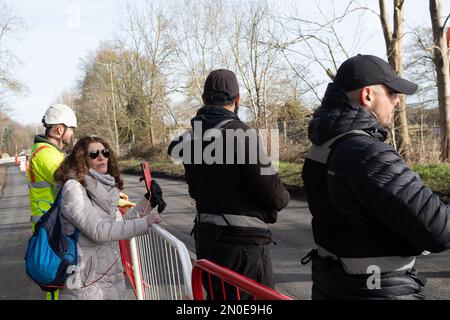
203, 98
60, 129
366, 97
237, 100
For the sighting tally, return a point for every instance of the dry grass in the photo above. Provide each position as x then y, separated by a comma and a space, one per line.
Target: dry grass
163, 168
426, 148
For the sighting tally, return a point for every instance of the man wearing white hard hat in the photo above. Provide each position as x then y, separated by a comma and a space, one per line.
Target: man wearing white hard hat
46, 156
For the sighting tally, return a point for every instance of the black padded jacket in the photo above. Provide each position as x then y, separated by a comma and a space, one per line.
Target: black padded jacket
366, 202
238, 189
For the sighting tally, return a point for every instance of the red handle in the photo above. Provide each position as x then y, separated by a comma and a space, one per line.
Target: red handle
147, 176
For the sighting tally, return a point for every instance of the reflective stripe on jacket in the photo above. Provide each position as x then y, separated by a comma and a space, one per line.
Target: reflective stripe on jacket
45, 159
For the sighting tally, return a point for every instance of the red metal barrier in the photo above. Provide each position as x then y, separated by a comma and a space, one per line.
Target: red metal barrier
124, 245
125, 255
240, 282
126, 262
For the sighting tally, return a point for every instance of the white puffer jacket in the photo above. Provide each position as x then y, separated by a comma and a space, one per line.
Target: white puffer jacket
100, 225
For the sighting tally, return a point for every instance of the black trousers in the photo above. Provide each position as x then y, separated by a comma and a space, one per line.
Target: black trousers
250, 260
331, 282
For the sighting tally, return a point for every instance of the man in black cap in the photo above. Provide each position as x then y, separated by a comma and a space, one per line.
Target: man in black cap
235, 200
371, 214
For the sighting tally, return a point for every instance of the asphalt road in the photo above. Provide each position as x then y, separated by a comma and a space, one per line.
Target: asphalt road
294, 239
15, 230
292, 233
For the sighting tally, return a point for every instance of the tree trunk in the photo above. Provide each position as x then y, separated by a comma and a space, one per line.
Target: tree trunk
441, 62
393, 42
150, 129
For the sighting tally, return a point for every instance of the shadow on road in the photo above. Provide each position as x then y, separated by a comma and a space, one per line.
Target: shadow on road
291, 277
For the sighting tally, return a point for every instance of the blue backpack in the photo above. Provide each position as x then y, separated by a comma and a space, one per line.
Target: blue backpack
49, 251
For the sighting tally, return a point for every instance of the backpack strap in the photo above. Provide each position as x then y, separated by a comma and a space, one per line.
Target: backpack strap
76, 232
321, 153
74, 235
221, 125
57, 200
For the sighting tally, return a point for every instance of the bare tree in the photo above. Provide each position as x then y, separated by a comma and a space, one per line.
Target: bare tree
13, 136
255, 56
393, 40
123, 94
423, 113
320, 42
441, 61
150, 51
201, 46
419, 66
94, 106
10, 24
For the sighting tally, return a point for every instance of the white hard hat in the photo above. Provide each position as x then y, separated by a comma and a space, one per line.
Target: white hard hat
60, 114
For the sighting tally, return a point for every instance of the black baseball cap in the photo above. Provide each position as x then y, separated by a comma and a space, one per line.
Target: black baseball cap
221, 87
366, 70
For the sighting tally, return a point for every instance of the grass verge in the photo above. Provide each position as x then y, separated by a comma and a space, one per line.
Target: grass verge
158, 169
435, 176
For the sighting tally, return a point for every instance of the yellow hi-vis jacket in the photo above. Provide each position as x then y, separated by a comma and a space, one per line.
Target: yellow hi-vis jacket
45, 159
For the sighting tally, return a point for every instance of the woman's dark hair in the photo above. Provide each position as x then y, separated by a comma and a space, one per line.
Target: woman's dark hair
76, 162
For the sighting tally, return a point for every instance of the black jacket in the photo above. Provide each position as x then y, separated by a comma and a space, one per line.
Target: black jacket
232, 188
368, 203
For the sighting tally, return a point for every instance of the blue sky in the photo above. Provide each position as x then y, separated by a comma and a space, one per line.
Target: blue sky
56, 38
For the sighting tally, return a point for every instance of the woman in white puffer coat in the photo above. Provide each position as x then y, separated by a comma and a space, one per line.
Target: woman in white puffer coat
90, 196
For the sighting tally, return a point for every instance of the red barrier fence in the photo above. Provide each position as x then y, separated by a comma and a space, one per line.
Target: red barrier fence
125, 255
230, 281
241, 283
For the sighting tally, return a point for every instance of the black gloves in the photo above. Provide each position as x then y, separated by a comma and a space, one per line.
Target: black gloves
156, 199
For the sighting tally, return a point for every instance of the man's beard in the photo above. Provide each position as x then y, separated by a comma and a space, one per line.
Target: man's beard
68, 145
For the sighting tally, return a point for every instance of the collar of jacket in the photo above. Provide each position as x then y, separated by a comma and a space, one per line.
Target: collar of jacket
338, 114
43, 139
100, 190
104, 195
211, 115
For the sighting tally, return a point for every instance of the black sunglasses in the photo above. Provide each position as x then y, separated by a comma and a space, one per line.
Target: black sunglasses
96, 153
